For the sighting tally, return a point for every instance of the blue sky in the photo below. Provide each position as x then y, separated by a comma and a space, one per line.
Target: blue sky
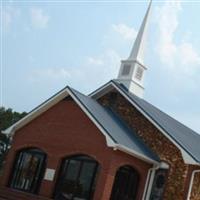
48, 45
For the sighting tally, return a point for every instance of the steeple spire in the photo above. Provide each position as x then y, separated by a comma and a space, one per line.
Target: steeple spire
137, 52
132, 70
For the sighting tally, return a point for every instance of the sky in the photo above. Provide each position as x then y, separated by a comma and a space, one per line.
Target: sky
46, 45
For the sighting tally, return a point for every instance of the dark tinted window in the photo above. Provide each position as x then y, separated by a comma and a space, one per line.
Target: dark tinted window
77, 178
158, 185
125, 184
28, 170
126, 69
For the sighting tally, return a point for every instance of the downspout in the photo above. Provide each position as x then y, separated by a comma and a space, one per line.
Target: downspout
191, 183
149, 182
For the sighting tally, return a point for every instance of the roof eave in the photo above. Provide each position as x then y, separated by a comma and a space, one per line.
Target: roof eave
136, 154
36, 112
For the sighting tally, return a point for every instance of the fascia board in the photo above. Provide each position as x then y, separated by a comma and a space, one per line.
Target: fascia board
110, 142
36, 112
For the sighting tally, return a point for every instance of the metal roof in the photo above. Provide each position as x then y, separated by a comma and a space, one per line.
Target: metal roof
114, 126
184, 136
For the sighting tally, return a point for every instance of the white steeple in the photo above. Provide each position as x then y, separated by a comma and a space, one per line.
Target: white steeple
131, 72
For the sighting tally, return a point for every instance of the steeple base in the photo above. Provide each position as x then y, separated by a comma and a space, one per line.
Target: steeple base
133, 87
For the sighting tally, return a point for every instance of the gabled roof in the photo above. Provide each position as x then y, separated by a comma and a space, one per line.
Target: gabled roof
114, 127
187, 139
117, 134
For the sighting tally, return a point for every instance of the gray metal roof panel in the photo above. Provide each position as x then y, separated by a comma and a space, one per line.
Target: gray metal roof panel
115, 128
184, 136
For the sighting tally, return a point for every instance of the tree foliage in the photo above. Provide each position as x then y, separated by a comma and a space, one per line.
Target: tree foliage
7, 118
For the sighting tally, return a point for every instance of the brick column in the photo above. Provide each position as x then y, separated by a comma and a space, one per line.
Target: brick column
47, 187
107, 187
7, 168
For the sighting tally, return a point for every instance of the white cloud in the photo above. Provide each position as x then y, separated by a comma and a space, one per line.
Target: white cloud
127, 33
46, 74
106, 65
188, 54
38, 18
8, 15
93, 72
95, 61
7, 19
174, 54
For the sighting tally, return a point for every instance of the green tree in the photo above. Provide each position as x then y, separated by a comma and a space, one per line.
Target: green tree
7, 118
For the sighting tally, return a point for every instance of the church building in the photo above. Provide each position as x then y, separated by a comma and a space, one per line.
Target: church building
109, 145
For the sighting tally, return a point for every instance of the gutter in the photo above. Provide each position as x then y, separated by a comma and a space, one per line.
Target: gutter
191, 183
150, 179
149, 182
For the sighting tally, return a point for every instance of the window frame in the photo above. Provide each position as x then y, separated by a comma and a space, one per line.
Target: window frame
63, 170
164, 174
16, 171
131, 184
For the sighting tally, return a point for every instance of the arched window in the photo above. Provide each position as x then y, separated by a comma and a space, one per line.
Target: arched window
28, 170
77, 178
159, 184
125, 184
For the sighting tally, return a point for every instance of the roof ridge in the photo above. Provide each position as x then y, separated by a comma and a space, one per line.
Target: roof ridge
158, 109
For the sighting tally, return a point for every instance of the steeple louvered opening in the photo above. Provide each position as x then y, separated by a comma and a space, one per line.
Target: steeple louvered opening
132, 70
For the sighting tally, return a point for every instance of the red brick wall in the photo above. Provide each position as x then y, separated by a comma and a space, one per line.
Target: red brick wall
167, 151
65, 130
